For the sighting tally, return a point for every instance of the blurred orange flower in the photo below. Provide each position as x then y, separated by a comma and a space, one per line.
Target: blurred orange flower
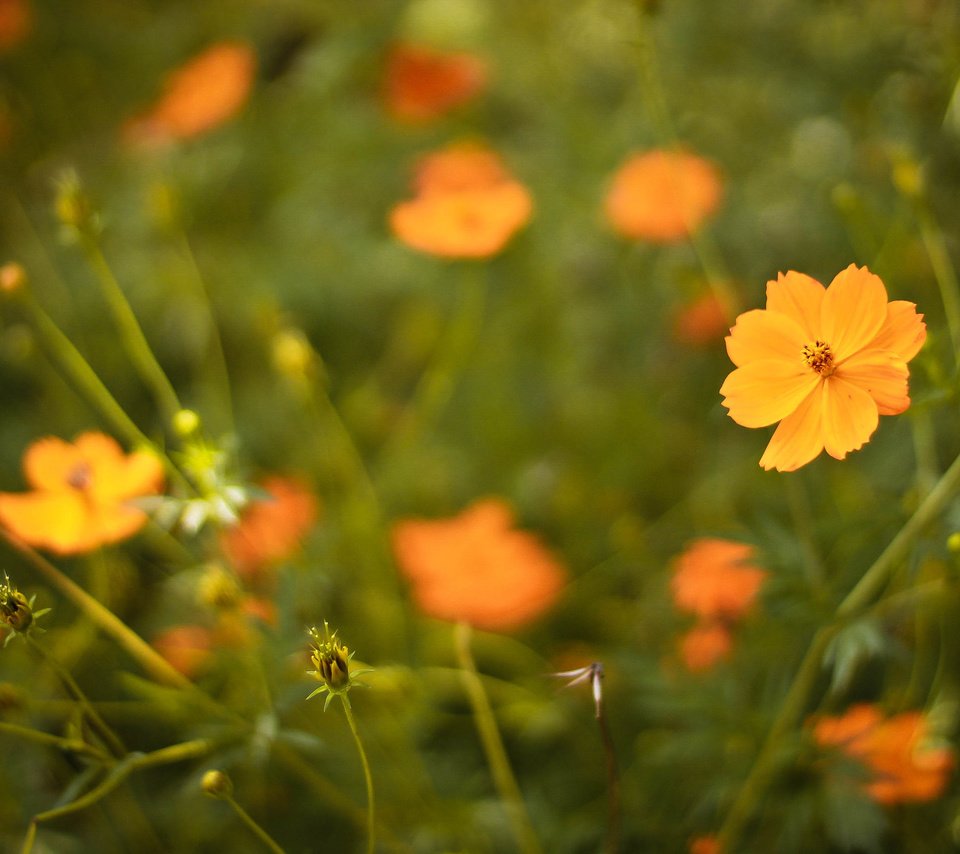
271, 530
467, 205
16, 20
82, 493
715, 579
704, 645
186, 648
422, 84
705, 845
475, 567
824, 362
205, 92
701, 322
903, 766
662, 196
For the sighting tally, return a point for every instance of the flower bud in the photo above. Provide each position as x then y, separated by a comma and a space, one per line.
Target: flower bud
217, 784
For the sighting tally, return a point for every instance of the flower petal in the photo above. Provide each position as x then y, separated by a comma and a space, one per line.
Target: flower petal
880, 373
762, 392
58, 521
798, 439
800, 298
49, 462
853, 312
850, 415
765, 335
903, 332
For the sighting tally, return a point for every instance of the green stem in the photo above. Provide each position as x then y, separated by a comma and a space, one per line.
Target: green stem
109, 738
255, 828
70, 745
795, 703
72, 363
119, 773
367, 776
612, 840
943, 270
105, 619
437, 382
131, 333
651, 84
492, 743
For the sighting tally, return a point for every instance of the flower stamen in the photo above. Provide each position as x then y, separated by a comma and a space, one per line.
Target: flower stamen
819, 357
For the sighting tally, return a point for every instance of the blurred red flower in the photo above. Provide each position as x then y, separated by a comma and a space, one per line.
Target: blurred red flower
82, 493
467, 205
16, 21
271, 530
421, 83
903, 765
701, 322
715, 579
662, 196
475, 567
200, 95
186, 648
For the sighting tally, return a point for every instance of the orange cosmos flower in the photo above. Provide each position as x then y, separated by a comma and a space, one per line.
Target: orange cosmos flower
824, 362
705, 644
82, 493
902, 765
205, 92
467, 206
715, 579
422, 84
16, 19
476, 567
271, 530
662, 196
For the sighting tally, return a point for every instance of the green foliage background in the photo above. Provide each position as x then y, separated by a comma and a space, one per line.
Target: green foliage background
577, 404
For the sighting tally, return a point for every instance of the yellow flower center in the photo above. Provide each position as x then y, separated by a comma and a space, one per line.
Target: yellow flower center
819, 357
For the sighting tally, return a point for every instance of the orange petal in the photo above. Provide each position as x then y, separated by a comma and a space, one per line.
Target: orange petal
58, 521
854, 311
49, 462
765, 335
798, 438
880, 373
850, 416
762, 392
800, 298
903, 332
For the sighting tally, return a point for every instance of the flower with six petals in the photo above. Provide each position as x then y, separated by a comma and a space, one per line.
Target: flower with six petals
824, 362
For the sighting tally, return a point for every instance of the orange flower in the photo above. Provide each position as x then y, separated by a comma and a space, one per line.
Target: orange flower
467, 205
705, 644
705, 845
903, 766
16, 19
476, 567
187, 649
662, 196
714, 579
82, 493
271, 531
422, 84
205, 92
701, 322
824, 362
